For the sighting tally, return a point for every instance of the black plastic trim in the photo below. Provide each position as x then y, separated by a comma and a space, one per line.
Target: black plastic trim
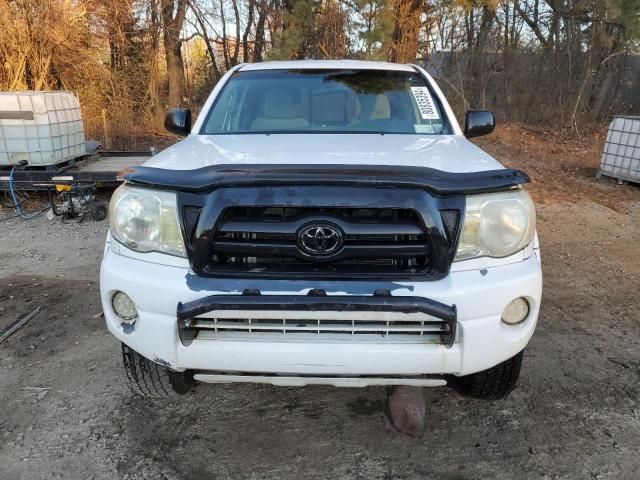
316, 300
214, 204
210, 178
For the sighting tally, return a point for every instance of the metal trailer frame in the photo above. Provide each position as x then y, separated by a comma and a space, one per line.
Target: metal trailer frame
100, 168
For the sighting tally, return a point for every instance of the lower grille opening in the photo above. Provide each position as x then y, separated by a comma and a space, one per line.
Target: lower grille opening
293, 326
305, 329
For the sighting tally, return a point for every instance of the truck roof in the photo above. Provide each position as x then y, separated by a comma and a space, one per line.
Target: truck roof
326, 64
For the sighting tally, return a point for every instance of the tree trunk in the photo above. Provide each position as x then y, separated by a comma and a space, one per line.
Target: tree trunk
245, 37
209, 45
477, 57
236, 47
406, 30
258, 45
154, 30
171, 27
175, 73
225, 50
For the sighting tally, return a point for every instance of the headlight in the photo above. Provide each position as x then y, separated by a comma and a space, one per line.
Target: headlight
146, 220
497, 225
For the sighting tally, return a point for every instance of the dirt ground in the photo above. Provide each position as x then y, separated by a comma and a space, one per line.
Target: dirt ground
575, 414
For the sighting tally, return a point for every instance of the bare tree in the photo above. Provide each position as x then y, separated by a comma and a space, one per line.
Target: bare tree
173, 15
209, 43
403, 44
247, 30
485, 53
263, 11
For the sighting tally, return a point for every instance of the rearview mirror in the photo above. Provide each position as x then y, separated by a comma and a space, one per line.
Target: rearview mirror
178, 121
478, 123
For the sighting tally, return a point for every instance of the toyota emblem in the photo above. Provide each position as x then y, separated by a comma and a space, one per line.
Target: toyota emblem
320, 239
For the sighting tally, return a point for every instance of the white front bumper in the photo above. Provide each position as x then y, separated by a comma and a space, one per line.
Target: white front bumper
479, 295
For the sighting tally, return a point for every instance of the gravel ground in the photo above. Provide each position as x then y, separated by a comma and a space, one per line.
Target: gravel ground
67, 412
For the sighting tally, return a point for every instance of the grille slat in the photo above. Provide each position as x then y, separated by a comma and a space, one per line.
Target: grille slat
269, 225
254, 249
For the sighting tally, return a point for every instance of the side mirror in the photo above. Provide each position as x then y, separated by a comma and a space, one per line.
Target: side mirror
478, 123
178, 121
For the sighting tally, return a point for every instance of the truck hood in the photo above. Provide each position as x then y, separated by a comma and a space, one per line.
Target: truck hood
447, 153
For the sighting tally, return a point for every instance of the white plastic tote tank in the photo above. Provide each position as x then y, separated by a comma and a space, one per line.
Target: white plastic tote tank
621, 155
43, 128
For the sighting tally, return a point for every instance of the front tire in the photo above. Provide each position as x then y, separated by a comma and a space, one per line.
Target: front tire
151, 379
492, 384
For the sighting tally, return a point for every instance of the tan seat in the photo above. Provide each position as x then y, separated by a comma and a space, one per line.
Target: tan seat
279, 112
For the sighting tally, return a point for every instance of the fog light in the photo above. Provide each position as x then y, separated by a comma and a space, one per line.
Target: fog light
516, 311
124, 307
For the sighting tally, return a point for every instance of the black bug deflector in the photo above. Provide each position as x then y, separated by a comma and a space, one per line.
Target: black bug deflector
316, 301
221, 176
397, 222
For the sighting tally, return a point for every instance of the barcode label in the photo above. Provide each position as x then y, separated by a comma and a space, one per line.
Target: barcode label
425, 103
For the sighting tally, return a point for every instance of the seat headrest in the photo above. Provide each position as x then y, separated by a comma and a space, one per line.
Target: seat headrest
279, 103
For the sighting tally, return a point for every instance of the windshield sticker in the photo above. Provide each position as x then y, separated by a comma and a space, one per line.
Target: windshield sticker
425, 103
424, 128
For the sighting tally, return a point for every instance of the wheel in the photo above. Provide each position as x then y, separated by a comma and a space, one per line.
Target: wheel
151, 379
99, 211
492, 384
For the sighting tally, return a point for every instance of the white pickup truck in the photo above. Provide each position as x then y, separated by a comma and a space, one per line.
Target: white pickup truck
323, 222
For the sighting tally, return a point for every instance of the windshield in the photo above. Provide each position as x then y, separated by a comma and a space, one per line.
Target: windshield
326, 101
